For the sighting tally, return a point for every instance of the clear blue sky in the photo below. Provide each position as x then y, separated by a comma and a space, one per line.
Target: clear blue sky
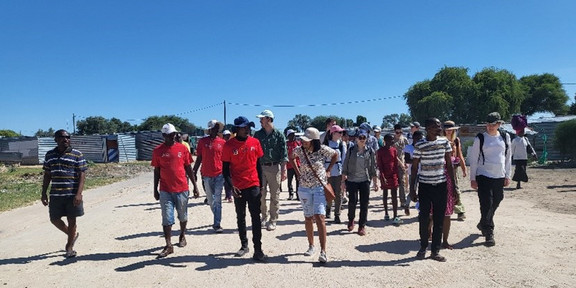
135, 59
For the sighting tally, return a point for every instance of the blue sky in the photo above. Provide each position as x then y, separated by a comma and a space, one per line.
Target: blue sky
135, 59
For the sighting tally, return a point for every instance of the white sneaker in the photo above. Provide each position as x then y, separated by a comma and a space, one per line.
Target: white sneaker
271, 226
397, 221
310, 251
322, 258
264, 223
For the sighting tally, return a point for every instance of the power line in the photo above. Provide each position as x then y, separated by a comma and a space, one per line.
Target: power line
314, 105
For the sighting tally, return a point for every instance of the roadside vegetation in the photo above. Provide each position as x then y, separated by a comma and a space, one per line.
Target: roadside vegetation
22, 185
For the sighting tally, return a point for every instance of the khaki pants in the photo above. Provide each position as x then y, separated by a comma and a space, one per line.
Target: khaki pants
271, 178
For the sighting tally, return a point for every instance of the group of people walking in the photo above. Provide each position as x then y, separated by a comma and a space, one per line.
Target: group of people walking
352, 162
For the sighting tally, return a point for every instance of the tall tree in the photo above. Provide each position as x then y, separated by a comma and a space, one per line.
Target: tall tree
93, 125
155, 123
413, 97
499, 91
455, 82
573, 106
544, 93
300, 122
42, 133
360, 119
8, 133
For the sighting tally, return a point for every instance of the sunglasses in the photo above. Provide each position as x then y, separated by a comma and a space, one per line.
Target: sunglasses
67, 137
398, 132
362, 138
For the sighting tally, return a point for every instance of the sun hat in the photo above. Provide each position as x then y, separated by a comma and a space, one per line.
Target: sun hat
450, 125
265, 113
310, 134
213, 123
168, 129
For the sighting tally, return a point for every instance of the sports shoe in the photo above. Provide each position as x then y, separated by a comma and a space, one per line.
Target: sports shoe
490, 241
242, 252
397, 221
387, 217
322, 258
310, 251
421, 254
264, 223
361, 231
271, 226
344, 200
218, 229
259, 256
461, 216
350, 225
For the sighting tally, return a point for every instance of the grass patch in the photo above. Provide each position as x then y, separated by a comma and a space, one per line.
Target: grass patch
21, 186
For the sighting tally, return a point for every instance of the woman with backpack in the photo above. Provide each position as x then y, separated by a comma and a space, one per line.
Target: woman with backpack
490, 163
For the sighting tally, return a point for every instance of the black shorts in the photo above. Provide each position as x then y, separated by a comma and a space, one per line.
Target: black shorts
60, 206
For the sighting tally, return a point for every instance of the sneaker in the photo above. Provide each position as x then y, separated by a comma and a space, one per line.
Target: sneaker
271, 226
350, 225
328, 215
421, 254
264, 223
387, 218
322, 258
290, 196
242, 252
361, 231
218, 229
259, 256
344, 200
461, 216
397, 221
310, 251
167, 251
337, 219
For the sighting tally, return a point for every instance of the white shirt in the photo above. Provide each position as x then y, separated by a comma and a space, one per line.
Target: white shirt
496, 163
519, 145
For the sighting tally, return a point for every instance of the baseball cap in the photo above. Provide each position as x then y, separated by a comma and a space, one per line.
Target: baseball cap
290, 131
243, 122
493, 118
336, 128
213, 123
377, 129
415, 124
366, 127
265, 113
168, 129
310, 134
226, 132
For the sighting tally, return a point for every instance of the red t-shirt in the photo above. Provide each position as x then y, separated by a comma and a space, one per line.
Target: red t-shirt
291, 145
243, 157
386, 159
171, 161
211, 152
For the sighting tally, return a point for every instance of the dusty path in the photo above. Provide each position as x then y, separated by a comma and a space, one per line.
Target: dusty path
120, 236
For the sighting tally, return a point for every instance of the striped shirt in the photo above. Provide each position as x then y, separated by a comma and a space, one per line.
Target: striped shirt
64, 171
432, 161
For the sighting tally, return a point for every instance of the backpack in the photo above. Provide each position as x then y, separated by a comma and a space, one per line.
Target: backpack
481, 138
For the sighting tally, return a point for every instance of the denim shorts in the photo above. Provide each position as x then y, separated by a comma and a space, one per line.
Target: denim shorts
313, 200
170, 201
60, 206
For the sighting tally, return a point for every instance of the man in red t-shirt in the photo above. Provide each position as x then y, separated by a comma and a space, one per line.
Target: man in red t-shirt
171, 161
242, 171
209, 154
292, 143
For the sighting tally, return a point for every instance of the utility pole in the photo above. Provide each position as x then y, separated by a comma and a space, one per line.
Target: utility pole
74, 123
225, 113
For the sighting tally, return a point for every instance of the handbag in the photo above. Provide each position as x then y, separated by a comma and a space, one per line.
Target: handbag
328, 190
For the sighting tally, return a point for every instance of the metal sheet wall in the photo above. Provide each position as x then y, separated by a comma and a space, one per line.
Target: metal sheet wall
92, 146
127, 151
146, 142
28, 146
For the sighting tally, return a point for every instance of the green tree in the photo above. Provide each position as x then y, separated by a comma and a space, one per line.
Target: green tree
360, 119
42, 133
155, 123
544, 93
93, 125
8, 133
388, 121
573, 106
564, 139
499, 91
455, 82
413, 97
300, 122
319, 121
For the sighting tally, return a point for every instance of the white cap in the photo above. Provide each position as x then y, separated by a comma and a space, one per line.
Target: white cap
168, 129
377, 129
310, 134
290, 131
226, 132
212, 124
266, 113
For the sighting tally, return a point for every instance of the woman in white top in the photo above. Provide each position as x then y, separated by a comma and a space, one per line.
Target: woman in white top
520, 149
490, 172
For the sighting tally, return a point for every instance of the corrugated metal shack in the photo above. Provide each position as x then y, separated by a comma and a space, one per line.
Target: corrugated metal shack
146, 141
96, 148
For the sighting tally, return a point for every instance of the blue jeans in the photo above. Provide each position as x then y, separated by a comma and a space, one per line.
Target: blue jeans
169, 201
313, 200
213, 187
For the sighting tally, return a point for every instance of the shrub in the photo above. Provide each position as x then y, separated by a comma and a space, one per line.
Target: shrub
565, 138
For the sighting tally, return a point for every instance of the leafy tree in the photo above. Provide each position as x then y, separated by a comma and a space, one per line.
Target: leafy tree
42, 133
319, 122
360, 119
499, 91
544, 93
155, 123
413, 97
93, 125
573, 106
8, 133
455, 82
388, 121
300, 122
564, 139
